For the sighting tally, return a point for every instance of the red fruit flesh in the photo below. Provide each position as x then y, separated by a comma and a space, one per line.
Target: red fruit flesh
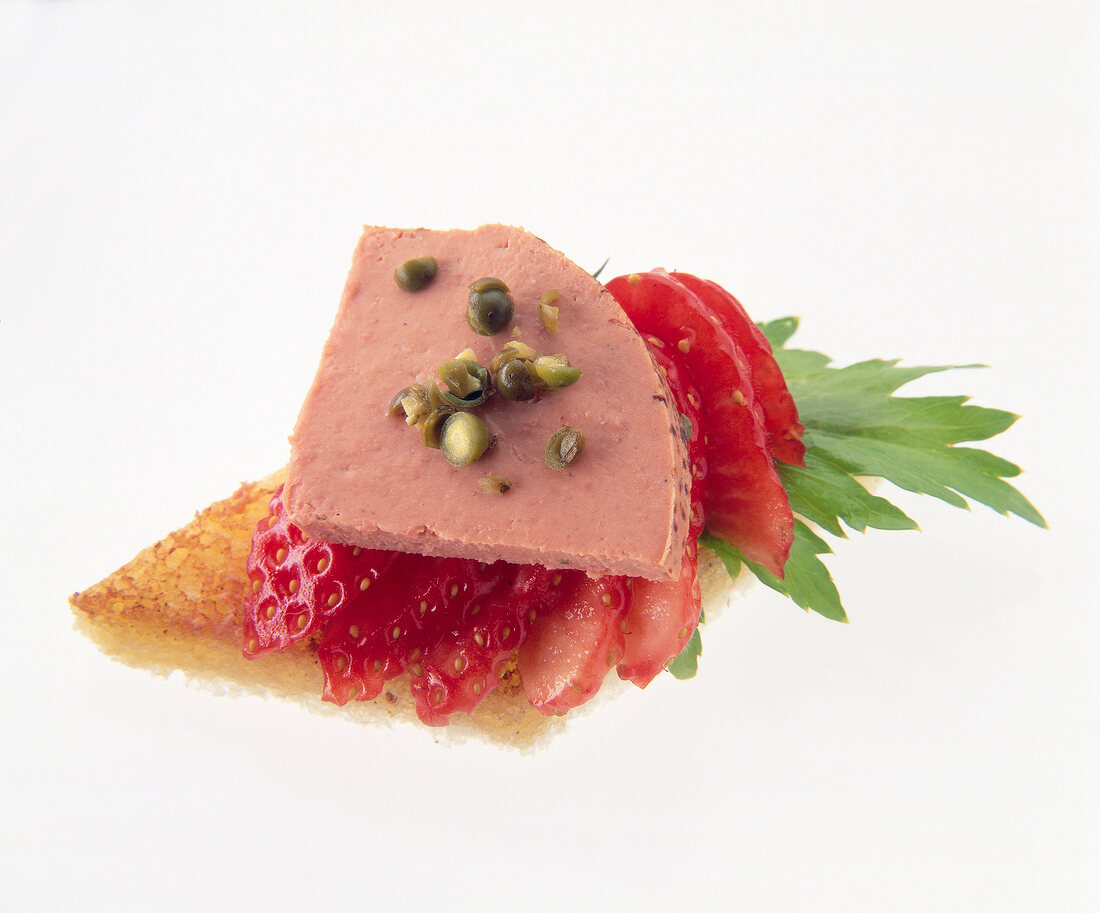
463, 663
383, 635
780, 413
745, 501
661, 621
665, 614
298, 583
450, 623
569, 651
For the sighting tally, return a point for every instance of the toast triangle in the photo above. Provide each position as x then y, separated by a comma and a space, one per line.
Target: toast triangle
177, 607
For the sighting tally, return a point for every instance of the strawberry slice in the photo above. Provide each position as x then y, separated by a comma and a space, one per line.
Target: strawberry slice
664, 615
661, 621
464, 661
745, 501
299, 583
570, 650
780, 413
407, 613
450, 623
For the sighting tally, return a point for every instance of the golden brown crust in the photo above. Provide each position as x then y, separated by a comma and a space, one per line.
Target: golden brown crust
177, 606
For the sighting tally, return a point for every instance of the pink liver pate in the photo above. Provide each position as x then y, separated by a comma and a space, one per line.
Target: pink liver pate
362, 477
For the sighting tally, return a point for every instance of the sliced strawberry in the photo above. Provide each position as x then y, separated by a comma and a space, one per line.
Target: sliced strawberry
463, 664
298, 583
664, 615
745, 501
780, 413
570, 650
450, 623
661, 621
383, 635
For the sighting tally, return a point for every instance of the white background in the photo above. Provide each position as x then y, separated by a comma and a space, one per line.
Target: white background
181, 186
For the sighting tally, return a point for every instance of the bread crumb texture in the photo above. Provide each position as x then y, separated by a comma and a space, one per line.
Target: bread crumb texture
177, 606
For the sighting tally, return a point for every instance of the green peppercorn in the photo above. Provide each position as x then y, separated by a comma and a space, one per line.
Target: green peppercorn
413, 275
487, 283
464, 438
490, 307
548, 311
463, 377
555, 371
494, 484
513, 380
432, 427
513, 349
415, 402
468, 383
564, 447
397, 403
548, 314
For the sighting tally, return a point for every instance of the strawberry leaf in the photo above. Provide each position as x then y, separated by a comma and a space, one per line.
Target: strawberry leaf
825, 492
806, 580
779, 331
856, 428
686, 665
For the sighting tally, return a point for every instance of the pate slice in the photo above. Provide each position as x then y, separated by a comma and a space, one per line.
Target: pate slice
360, 476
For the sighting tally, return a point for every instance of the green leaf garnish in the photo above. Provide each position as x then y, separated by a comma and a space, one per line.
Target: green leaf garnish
687, 663
825, 493
807, 581
779, 331
856, 428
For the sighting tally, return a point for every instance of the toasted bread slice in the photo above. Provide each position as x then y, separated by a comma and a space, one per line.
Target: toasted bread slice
178, 604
